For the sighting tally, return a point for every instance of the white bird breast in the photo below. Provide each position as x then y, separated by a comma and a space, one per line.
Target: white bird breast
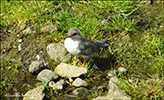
72, 46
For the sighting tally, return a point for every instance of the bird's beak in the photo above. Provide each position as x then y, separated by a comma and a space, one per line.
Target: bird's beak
69, 36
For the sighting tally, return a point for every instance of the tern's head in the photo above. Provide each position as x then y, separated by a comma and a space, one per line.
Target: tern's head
73, 32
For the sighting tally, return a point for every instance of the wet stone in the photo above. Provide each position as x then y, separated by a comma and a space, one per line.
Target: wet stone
47, 75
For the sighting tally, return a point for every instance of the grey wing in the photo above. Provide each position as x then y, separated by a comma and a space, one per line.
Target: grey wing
88, 47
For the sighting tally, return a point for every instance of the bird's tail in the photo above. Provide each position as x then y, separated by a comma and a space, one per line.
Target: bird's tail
102, 43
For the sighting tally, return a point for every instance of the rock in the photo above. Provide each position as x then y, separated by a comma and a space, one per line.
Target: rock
115, 72
125, 38
49, 29
69, 71
112, 73
20, 40
51, 83
75, 8
70, 80
114, 92
35, 94
59, 85
17, 95
102, 88
29, 31
80, 92
79, 82
58, 52
47, 75
99, 76
146, 2
35, 67
122, 70
26, 86
23, 26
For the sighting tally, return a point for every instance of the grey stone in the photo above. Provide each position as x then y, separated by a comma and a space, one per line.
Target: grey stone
79, 82
59, 85
68, 71
35, 94
146, 2
80, 92
114, 92
49, 29
102, 88
110, 74
17, 95
35, 67
55, 86
23, 26
47, 75
26, 86
115, 72
29, 31
122, 70
51, 83
58, 52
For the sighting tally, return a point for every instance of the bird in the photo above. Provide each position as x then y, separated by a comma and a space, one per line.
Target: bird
77, 45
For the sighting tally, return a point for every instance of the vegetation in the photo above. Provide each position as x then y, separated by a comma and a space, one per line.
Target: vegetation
142, 53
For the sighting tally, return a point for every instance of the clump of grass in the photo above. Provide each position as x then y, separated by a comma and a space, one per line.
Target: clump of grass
5, 86
150, 88
144, 59
12, 65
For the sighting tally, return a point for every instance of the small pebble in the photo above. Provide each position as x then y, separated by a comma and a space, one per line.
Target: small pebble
38, 57
122, 70
19, 47
20, 40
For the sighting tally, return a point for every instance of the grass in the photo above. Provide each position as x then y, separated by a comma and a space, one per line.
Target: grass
142, 54
5, 86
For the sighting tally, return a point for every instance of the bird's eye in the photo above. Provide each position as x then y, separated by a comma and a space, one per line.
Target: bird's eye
74, 34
